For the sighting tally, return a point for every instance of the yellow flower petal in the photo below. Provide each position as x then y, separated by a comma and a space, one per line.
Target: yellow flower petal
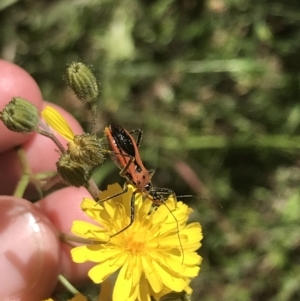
192, 258
191, 272
79, 254
95, 211
144, 291
99, 255
176, 284
123, 285
188, 290
172, 262
144, 208
193, 231
91, 205
172, 240
136, 271
152, 276
90, 231
100, 272
57, 122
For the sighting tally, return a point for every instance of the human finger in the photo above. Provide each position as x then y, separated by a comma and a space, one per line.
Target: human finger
16, 82
41, 156
63, 207
30, 252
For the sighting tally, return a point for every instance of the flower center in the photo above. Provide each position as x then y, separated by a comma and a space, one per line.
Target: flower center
136, 242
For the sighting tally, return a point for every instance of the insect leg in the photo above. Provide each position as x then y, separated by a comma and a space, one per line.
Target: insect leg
132, 211
126, 167
125, 189
139, 136
160, 195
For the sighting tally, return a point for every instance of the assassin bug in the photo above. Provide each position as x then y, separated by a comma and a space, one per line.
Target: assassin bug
126, 156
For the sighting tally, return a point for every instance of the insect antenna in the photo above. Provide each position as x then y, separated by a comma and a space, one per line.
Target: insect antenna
158, 197
177, 227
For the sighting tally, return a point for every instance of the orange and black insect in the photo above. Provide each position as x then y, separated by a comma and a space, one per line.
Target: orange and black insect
125, 154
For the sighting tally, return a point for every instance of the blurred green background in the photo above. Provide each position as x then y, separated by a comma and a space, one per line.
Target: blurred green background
215, 86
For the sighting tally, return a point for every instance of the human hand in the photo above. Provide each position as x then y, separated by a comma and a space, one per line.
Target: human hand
31, 254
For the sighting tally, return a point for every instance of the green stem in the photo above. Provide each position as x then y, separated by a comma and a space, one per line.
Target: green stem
93, 189
67, 285
94, 119
68, 239
25, 178
53, 138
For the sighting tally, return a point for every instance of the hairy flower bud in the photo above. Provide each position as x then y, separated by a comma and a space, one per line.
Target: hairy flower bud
87, 149
72, 172
20, 115
82, 81
175, 296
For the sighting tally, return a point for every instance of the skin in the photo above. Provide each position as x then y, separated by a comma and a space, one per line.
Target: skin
16, 82
31, 251
41, 154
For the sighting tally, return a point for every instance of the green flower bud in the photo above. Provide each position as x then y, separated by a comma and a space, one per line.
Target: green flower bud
87, 149
82, 81
174, 296
20, 115
72, 172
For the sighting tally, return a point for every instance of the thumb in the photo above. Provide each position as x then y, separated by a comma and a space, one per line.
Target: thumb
29, 251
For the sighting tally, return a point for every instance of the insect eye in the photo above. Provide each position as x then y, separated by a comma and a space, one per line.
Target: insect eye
138, 168
148, 186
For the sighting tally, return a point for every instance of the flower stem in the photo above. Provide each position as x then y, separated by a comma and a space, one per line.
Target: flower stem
67, 285
93, 189
24, 180
94, 119
68, 239
53, 138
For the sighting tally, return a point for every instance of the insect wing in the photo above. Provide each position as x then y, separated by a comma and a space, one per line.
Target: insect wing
123, 139
116, 153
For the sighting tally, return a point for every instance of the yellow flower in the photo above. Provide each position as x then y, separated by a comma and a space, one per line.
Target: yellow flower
84, 149
58, 123
155, 255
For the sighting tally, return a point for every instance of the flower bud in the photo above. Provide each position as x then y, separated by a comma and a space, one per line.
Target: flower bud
82, 81
20, 115
175, 296
87, 149
72, 172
